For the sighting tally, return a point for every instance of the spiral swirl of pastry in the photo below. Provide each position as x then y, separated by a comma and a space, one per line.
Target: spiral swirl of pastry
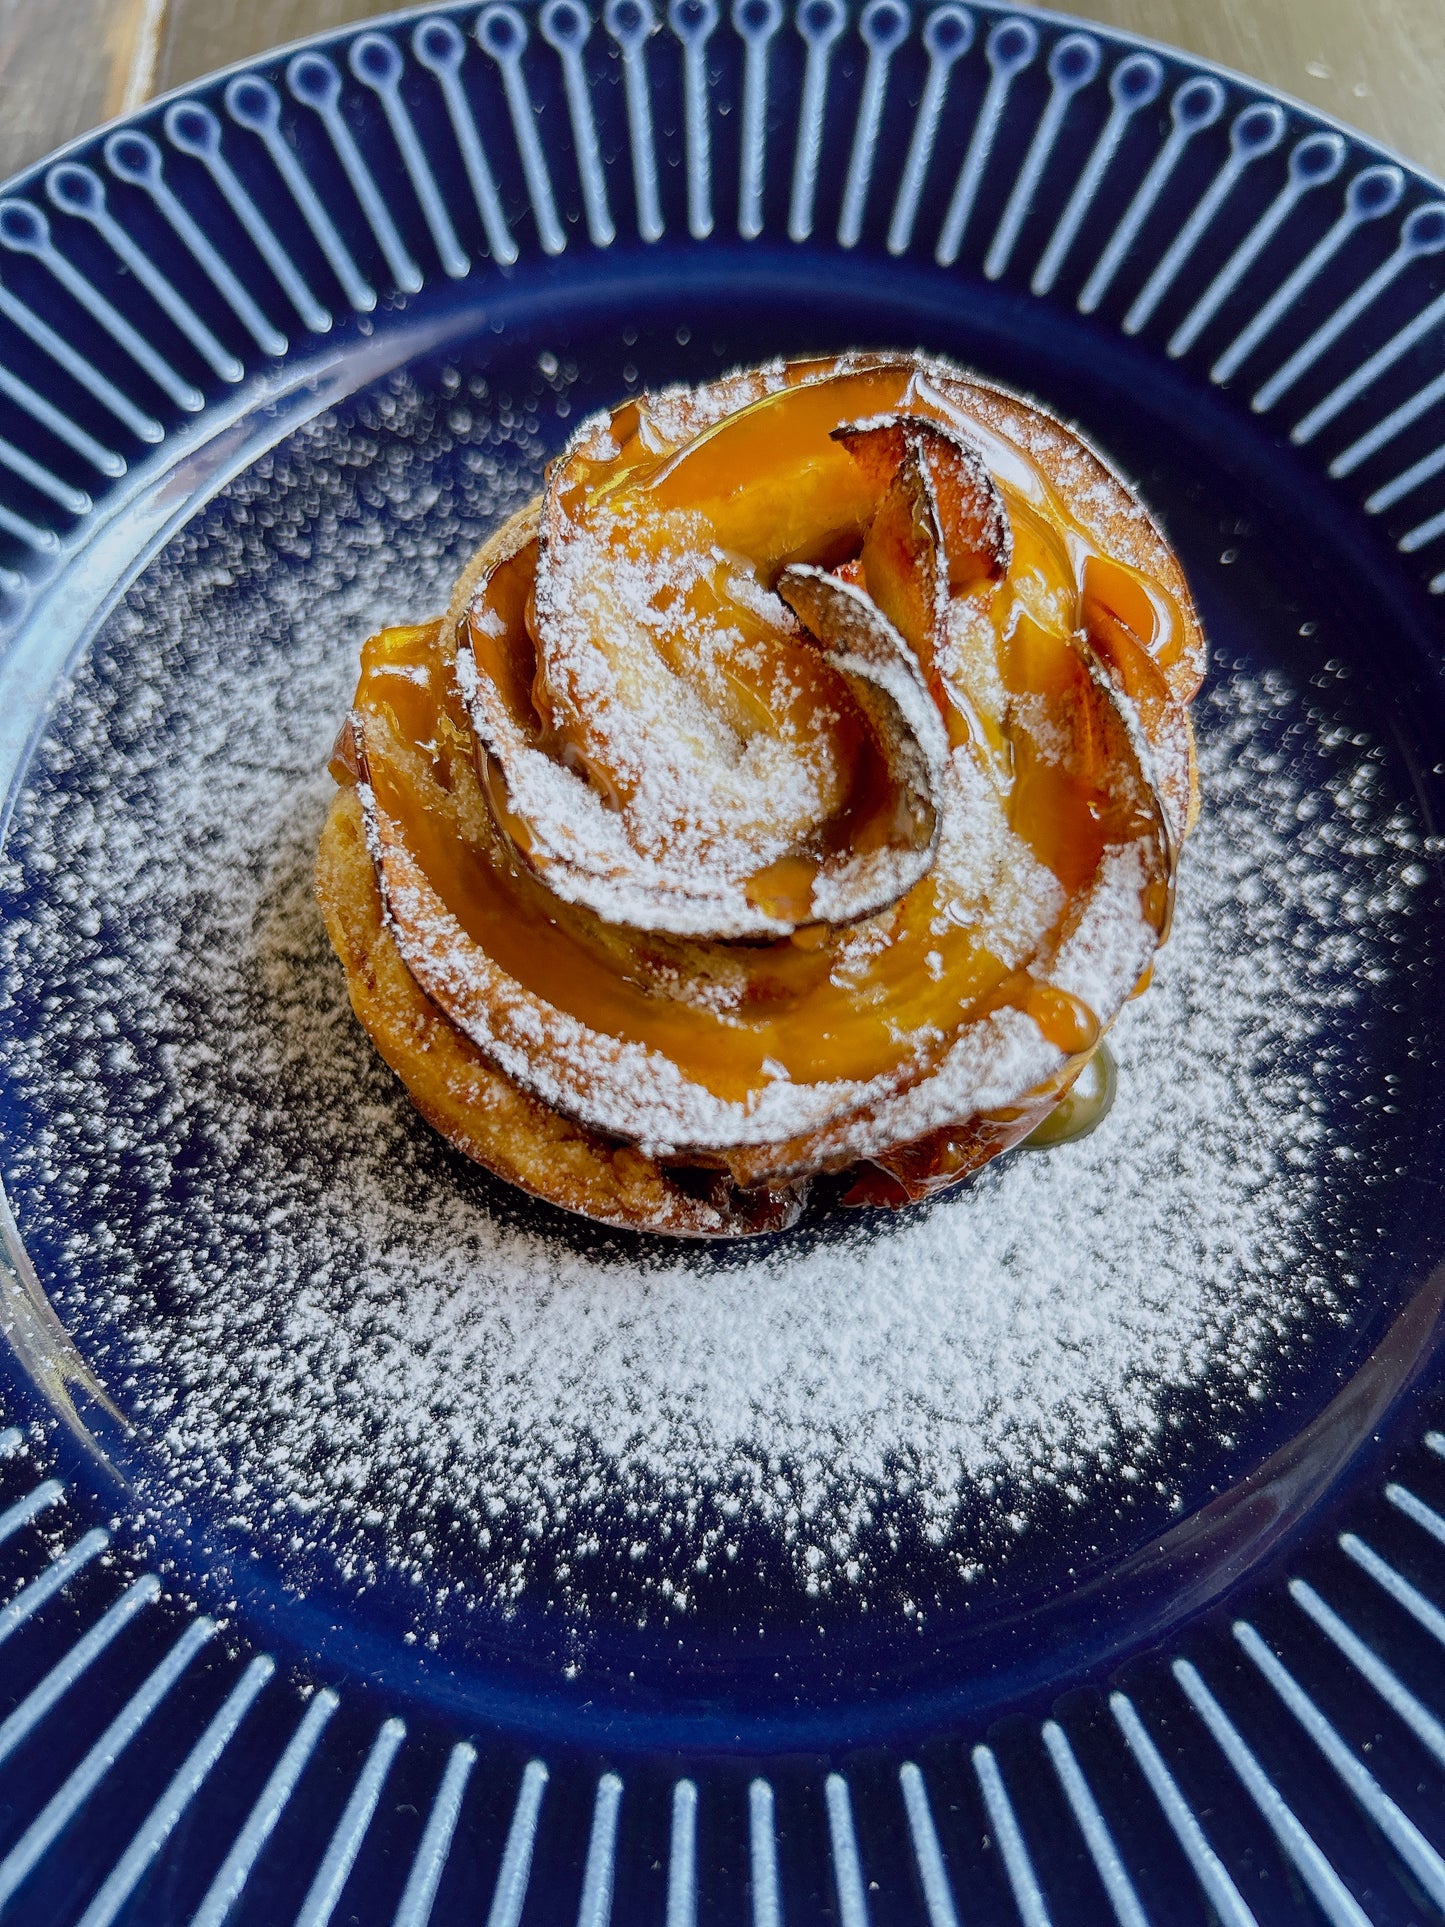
795, 788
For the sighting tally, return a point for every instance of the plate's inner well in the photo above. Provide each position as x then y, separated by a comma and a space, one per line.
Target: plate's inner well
373, 1387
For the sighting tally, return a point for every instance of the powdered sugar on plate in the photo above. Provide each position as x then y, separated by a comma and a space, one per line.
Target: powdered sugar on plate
341, 1344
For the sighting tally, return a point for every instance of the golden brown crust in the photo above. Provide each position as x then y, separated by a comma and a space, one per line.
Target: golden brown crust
474, 1106
503, 543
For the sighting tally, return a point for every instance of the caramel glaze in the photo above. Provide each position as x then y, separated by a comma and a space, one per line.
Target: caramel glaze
774, 484
1083, 1107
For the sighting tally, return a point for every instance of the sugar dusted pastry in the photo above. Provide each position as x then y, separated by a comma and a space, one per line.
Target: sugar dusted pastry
794, 791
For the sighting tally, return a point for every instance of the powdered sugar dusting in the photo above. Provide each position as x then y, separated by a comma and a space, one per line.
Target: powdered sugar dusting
345, 1345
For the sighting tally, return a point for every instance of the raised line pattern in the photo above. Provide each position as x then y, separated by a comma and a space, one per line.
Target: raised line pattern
1023, 1881
595, 1907
763, 1856
516, 1868
1314, 160
193, 129
1420, 1609
109, 461
71, 1796
883, 27
190, 1776
1105, 1855
947, 37
820, 22
694, 22
682, 1857
932, 1873
1423, 533
439, 47
314, 81
419, 1894
1197, 105
1209, 1869
502, 33
1403, 1835
340, 1856
843, 1840
1134, 84
28, 1601
1384, 432
18, 1726
632, 24
25, 230
1072, 66
1368, 372
566, 26
1011, 46
1257, 131
1336, 1901
225, 1890
1371, 194
376, 61
24, 530
39, 1499
1423, 233
41, 479
756, 23
80, 192
136, 159
254, 104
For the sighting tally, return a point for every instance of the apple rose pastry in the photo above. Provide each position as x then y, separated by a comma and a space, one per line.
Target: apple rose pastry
794, 790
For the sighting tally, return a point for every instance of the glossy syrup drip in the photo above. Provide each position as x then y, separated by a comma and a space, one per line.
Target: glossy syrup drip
1084, 1107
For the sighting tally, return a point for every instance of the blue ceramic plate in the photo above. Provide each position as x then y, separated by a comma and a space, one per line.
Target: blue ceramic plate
381, 1547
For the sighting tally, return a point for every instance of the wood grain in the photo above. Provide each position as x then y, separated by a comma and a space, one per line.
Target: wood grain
202, 35
1377, 64
67, 64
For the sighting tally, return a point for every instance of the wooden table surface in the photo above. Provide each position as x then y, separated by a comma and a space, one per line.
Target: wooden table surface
66, 65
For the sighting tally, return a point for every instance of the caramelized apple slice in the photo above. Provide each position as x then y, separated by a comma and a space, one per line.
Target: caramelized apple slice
1132, 752
1141, 680
667, 750
568, 825
771, 483
885, 856
940, 530
950, 497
